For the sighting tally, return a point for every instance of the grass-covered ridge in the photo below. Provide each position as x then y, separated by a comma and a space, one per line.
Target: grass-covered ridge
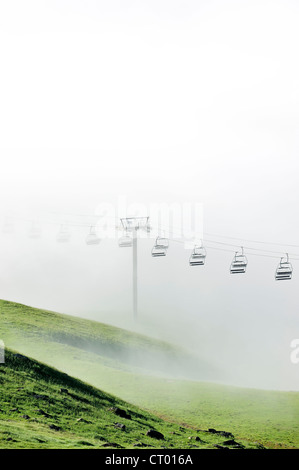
44, 408
267, 417
21, 324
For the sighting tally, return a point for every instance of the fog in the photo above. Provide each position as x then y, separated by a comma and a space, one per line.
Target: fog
156, 102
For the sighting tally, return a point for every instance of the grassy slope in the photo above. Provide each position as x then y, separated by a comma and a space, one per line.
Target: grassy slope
35, 397
271, 418
119, 347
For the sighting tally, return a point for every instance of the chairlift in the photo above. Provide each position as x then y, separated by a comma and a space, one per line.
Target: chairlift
284, 269
126, 241
8, 226
35, 231
198, 256
163, 242
239, 263
63, 235
161, 246
92, 238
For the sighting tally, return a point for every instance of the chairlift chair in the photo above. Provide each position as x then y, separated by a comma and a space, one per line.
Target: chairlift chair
92, 238
198, 256
284, 269
239, 263
8, 226
161, 246
35, 231
163, 242
126, 241
63, 235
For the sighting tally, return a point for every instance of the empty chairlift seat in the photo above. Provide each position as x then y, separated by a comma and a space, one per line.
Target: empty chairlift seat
198, 256
63, 235
125, 241
284, 269
35, 231
8, 226
161, 246
92, 238
239, 263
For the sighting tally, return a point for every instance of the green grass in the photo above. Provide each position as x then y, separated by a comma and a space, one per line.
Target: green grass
133, 367
44, 408
123, 349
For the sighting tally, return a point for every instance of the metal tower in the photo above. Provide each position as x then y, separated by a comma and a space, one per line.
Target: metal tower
132, 225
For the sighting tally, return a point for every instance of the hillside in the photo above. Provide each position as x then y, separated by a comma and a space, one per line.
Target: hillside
44, 408
119, 348
267, 417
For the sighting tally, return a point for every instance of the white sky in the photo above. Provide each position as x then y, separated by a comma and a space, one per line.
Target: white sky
159, 100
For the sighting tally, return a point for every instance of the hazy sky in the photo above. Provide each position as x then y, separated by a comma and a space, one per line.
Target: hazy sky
168, 101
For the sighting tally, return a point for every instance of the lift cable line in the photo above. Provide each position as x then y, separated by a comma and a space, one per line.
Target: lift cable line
130, 227
240, 261
227, 250
279, 252
248, 247
251, 254
92, 222
295, 256
253, 241
179, 229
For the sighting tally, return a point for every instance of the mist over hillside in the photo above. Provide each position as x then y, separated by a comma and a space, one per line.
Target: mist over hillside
156, 102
